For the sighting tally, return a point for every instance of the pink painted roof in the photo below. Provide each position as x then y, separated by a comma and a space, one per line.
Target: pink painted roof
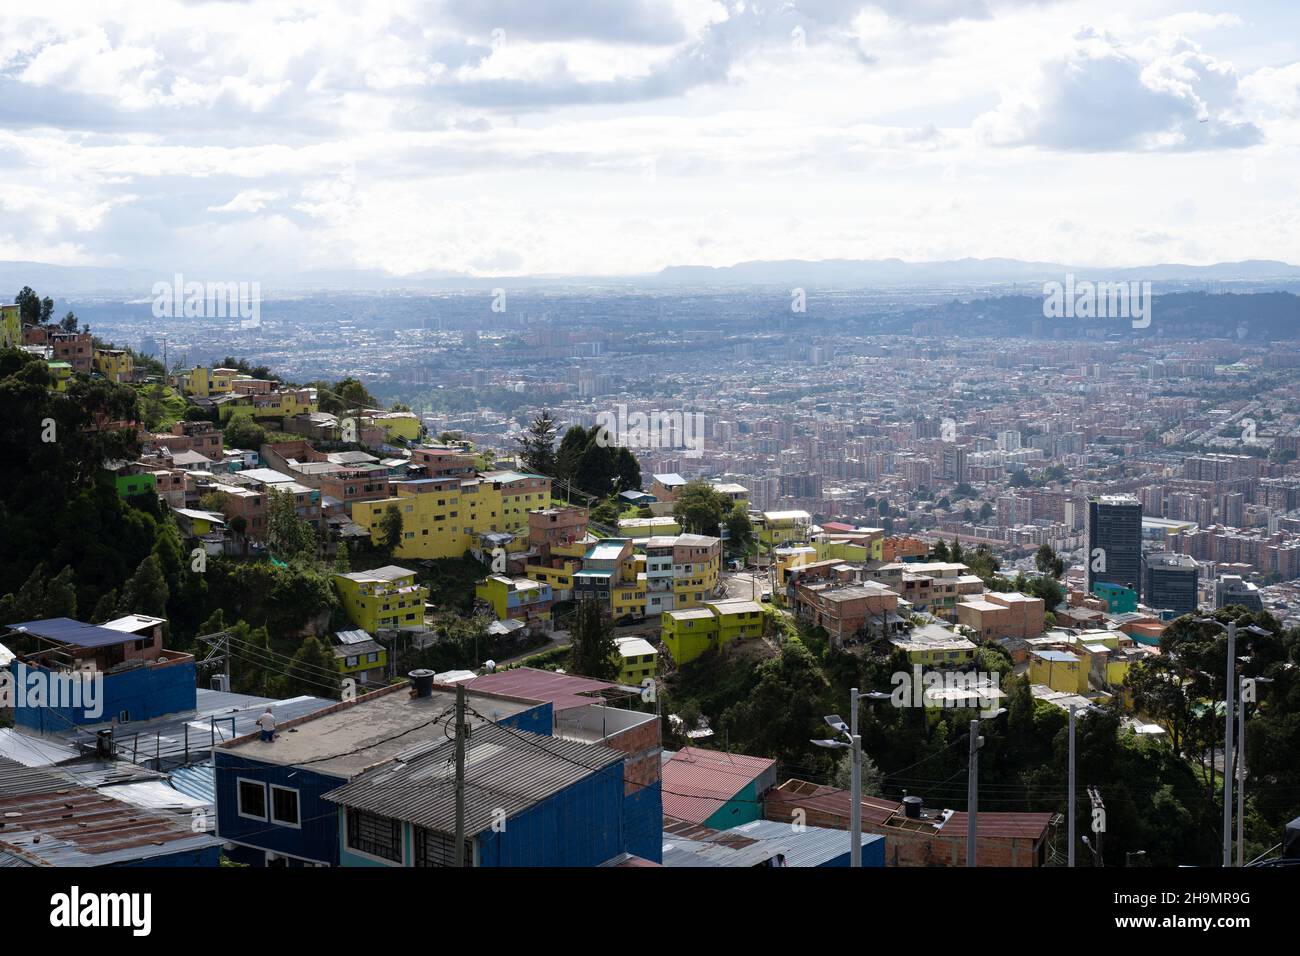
697, 783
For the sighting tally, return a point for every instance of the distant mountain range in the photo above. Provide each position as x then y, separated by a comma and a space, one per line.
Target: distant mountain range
955, 275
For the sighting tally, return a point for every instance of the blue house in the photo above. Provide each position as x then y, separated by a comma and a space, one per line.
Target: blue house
582, 715
530, 800
91, 674
270, 795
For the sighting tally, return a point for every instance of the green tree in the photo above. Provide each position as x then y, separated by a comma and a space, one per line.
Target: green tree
740, 529
390, 529
342, 561
29, 306
146, 591
537, 444
592, 652
314, 671
699, 508
242, 432
1047, 562
287, 535
571, 448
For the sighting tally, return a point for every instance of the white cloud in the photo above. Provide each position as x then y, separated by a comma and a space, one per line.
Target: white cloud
600, 138
1104, 95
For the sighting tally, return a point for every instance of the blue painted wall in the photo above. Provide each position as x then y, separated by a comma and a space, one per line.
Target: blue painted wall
208, 856
581, 825
643, 822
873, 854
536, 720
316, 838
144, 693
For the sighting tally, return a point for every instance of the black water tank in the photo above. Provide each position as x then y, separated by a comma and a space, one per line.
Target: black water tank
422, 681
912, 807
104, 744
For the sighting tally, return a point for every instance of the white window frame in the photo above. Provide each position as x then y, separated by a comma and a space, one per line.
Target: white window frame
270, 806
239, 799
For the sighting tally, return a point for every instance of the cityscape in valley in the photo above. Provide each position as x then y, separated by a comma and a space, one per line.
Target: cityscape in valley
564, 541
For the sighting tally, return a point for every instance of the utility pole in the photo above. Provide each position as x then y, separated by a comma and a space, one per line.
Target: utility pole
1227, 743
1070, 852
972, 791
855, 814
1098, 813
1241, 774
461, 733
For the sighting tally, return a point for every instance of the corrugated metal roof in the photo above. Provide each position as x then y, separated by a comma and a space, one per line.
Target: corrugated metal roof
154, 795
355, 636
808, 846
197, 781
697, 783
32, 751
50, 820
880, 812
505, 769
177, 739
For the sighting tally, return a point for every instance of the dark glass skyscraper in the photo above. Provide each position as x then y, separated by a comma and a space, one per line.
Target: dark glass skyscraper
1171, 582
1115, 541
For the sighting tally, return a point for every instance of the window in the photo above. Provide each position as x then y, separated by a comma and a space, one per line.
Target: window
374, 835
438, 849
252, 799
284, 806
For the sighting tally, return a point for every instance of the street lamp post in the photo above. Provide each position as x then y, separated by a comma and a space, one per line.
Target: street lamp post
973, 784
1070, 850
1247, 684
853, 743
1230, 685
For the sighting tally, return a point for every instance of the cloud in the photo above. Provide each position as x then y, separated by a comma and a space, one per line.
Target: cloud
250, 200
1104, 96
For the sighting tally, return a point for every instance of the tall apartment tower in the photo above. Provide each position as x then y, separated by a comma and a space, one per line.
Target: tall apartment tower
1115, 541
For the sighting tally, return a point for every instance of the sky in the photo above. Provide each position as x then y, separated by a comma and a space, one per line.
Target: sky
511, 137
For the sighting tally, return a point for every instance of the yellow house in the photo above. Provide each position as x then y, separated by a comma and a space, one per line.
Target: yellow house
403, 426
648, 527
386, 598
116, 365
689, 633
853, 551
61, 372
794, 556
11, 327
281, 403
203, 382
637, 660
1059, 670
510, 598
444, 517
627, 598
783, 527
560, 579
360, 657
934, 645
